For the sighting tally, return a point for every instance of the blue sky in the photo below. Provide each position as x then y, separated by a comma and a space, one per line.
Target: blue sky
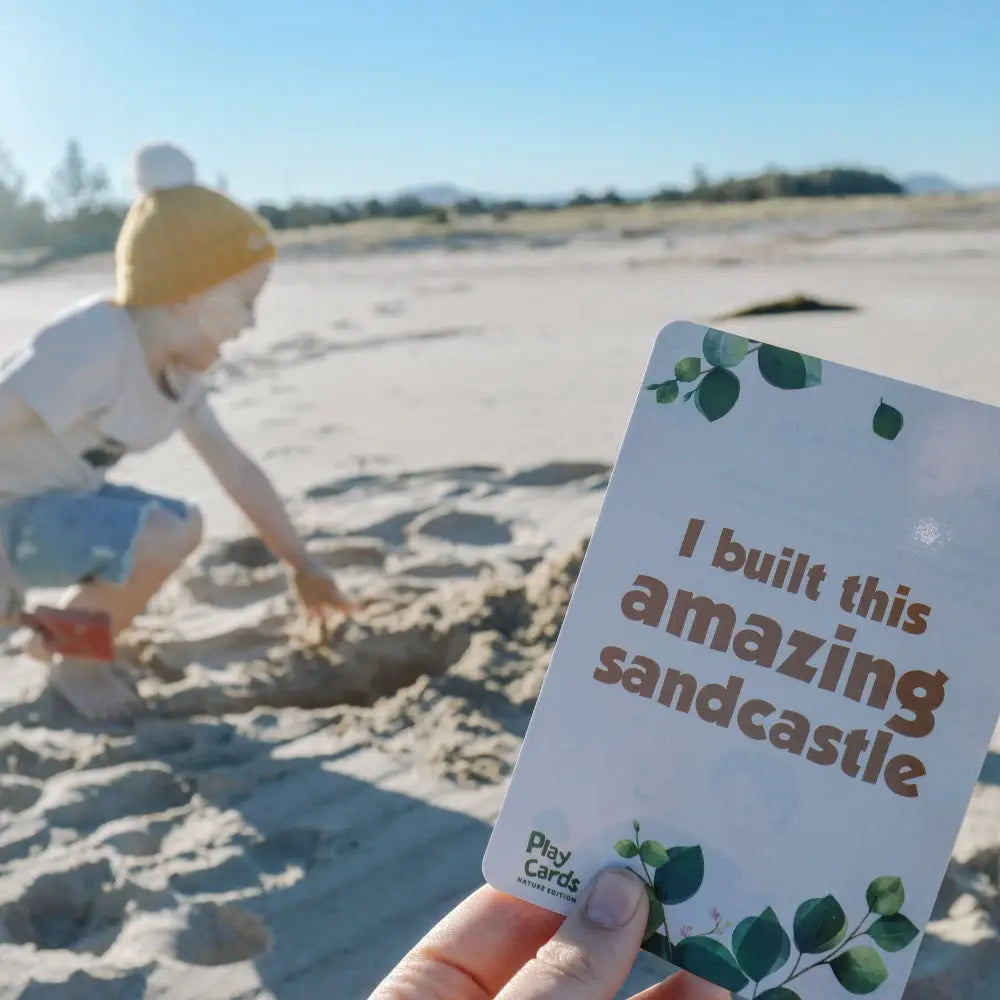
333, 98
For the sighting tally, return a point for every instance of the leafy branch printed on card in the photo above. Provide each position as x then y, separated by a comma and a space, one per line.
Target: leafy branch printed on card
716, 386
760, 947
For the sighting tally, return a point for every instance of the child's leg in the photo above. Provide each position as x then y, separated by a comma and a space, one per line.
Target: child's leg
91, 688
161, 547
127, 544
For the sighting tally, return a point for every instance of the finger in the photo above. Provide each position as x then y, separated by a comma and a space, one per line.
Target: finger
593, 951
473, 951
684, 986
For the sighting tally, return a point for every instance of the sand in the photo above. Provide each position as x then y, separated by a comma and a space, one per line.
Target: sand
294, 812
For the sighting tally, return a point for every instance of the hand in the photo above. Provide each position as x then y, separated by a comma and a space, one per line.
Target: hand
318, 592
496, 947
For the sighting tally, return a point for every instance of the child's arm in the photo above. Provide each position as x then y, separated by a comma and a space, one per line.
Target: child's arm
252, 491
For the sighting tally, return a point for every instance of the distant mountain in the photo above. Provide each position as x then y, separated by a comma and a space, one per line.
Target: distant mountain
930, 184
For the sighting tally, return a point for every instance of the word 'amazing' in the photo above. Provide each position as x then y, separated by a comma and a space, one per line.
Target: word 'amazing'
762, 641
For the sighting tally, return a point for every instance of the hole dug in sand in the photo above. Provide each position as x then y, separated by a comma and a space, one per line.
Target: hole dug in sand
78, 908
362, 661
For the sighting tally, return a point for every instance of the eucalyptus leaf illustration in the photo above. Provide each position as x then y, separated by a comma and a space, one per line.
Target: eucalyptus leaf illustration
653, 853
785, 369
680, 877
657, 944
819, 925
724, 350
626, 848
761, 945
687, 369
717, 393
666, 392
893, 933
860, 970
708, 958
656, 914
887, 422
885, 895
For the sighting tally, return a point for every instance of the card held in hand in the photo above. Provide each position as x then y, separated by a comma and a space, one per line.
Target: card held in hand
776, 682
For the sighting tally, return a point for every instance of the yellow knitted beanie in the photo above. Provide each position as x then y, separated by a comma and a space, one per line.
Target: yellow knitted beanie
179, 238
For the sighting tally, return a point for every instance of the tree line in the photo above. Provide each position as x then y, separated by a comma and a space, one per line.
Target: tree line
81, 215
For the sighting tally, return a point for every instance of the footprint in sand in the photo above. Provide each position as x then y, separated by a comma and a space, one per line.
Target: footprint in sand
84, 800
392, 530
136, 837
249, 552
33, 756
286, 853
337, 487
17, 793
207, 934
559, 473
57, 909
461, 528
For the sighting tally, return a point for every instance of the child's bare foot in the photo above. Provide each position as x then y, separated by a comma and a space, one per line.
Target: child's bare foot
94, 689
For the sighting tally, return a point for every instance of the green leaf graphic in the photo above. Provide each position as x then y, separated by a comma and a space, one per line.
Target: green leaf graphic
885, 895
657, 945
681, 876
687, 369
761, 945
666, 392
778, 993
653, 853
819, 925
717, 394
706, 957
626, 848
786, 369
656, 915
860, 970
893, 933
689, 394
723, 350
654, 385
887, 422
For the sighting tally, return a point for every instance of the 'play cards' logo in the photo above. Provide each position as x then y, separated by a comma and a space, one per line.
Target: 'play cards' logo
546, 867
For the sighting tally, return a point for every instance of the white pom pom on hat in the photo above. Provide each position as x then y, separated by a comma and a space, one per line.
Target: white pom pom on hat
162, 166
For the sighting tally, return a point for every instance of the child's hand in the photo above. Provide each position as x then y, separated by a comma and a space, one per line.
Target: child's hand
318, 592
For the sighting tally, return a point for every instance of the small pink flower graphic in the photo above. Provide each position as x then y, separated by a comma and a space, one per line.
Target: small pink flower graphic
686, 930
716, 916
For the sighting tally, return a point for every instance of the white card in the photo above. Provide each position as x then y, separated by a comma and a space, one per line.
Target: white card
776, 684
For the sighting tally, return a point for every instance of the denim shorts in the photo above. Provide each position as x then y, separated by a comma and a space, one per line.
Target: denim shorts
59, 539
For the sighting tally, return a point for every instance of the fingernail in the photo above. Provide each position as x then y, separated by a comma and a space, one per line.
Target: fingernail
614, 898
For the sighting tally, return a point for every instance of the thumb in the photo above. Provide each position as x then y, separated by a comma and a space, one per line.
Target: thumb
592, 953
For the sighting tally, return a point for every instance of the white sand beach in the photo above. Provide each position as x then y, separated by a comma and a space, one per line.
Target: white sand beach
290, 816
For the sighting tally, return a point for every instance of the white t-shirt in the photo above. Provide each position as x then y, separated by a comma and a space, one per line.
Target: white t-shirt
86, 377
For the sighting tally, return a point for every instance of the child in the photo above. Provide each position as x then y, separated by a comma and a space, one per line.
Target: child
111, 377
